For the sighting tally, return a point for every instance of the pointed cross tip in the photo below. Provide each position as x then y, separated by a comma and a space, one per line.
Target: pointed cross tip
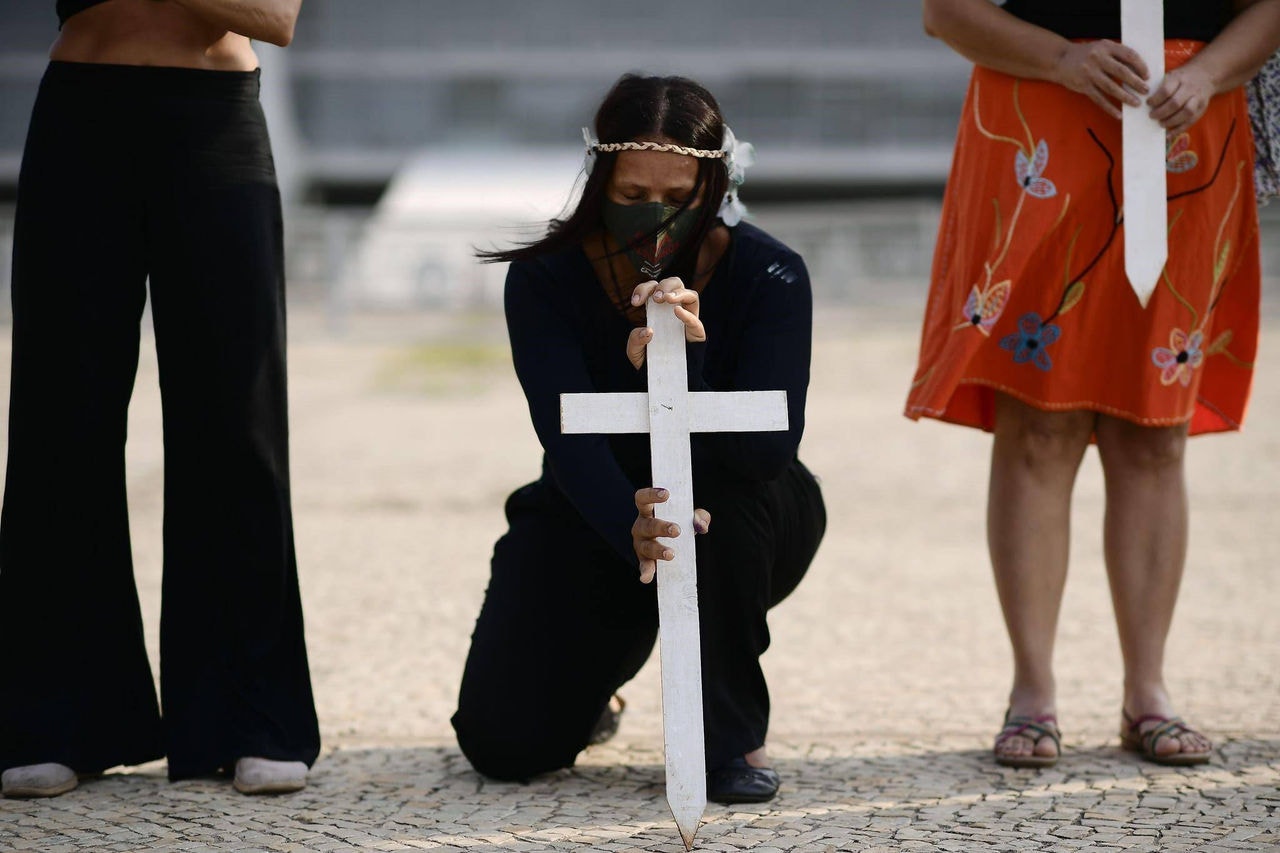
688, 824
1143, 292
1144, 284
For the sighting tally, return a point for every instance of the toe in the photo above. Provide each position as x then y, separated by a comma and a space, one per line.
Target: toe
1013, 746
1046, 747
1195, 742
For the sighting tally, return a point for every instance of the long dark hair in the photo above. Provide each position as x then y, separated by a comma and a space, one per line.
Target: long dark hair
644, 108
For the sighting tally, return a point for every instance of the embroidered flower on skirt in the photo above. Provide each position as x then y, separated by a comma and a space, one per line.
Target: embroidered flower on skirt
983, 307
1180, 359
1031, 341
1178, 156
1030, 172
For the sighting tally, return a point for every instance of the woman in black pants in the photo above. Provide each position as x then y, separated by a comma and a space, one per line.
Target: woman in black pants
148, 159
565, 622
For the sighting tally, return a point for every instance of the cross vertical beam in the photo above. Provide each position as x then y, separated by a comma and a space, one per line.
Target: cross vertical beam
679, 637
670, 413
1146, 214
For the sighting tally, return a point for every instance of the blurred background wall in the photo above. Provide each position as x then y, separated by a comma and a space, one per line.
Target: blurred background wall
408, 131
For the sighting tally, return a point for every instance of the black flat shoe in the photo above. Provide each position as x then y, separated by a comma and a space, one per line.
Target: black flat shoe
607, 726
739, 782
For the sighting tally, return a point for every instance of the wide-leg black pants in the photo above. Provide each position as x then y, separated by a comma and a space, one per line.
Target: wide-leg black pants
164, 174
566, 622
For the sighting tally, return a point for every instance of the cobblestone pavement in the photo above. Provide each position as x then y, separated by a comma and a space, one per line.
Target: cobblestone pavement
888, 667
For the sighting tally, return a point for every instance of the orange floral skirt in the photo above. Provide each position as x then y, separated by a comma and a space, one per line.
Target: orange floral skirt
1029, 295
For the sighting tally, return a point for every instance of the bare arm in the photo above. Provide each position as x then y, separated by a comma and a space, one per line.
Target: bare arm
989, 36
1225, 63
1246, 43
264, 20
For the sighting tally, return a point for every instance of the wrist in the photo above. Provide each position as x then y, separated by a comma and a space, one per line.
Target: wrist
1056, 71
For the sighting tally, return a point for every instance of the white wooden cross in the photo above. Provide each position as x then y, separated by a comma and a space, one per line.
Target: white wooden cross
1146, 235
669, 412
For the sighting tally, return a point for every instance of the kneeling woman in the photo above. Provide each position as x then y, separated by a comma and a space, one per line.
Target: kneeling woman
565, 621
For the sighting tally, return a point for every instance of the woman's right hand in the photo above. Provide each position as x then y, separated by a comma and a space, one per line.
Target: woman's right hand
686, 307
1106, 71
648, 529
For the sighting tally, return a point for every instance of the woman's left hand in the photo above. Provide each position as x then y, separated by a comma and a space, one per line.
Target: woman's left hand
686, 306
1181, 98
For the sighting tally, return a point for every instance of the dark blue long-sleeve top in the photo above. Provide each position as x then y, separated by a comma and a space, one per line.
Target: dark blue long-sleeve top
568, 337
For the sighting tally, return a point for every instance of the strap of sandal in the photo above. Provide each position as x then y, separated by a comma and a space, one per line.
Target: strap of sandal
1166, 727
1041, 727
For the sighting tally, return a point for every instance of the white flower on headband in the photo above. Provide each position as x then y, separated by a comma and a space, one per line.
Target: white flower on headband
738, 157
590, 139
732, 209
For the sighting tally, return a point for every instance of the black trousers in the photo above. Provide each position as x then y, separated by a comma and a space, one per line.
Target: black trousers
566, 622
133, 173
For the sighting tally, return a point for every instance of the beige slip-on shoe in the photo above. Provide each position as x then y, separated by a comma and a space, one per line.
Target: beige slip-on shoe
38, 780
265, 776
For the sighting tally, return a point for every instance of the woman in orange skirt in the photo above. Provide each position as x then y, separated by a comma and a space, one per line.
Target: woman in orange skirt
1033, 333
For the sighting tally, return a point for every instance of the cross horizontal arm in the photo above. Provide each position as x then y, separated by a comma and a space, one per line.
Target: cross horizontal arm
738, 411
709, 411
601, 413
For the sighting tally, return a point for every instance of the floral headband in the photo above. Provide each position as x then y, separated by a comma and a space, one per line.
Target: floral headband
737, 157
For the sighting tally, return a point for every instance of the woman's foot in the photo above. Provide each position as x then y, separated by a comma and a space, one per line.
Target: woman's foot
1164, 739
1028, 741
748, 779
38, 780
610, 718
265, 776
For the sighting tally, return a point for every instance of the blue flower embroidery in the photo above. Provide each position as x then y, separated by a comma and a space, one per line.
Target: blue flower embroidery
1031, 341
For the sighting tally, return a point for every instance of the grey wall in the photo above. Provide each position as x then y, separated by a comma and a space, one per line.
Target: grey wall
832, 90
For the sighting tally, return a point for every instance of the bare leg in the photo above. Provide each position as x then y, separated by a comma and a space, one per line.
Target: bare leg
1034, 461
1145, 539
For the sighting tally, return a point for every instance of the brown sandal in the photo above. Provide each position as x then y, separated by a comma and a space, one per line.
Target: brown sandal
1145, 743
1033, 729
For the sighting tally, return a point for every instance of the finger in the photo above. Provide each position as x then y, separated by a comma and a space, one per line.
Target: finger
1169, 109
642, 292
681, 297
646, 498
1114, 90
671, 283
1132, 59
693, 328
637, 342
1185, 106
1169, 92
1163, 93
653, 528
701, 521
1125, 77
651, 549
648, 568
1181, 107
